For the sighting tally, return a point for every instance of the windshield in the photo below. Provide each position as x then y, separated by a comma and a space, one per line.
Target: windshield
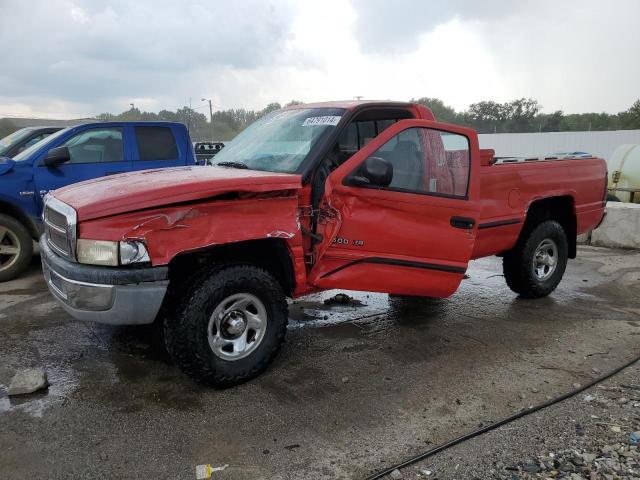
23, 155
280, 141
7, 142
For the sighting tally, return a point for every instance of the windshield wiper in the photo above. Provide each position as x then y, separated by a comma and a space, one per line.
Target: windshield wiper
231, 164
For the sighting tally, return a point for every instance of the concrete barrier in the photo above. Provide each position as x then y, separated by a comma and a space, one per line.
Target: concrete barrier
620, 228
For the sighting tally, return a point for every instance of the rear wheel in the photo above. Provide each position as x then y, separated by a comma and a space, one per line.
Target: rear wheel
229, 326
535, 266
16, 248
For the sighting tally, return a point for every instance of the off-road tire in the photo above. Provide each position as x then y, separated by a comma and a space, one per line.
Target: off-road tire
25, 242
517, 263
185, 326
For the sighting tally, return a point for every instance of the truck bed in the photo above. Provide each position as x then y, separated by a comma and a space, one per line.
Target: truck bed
508, 188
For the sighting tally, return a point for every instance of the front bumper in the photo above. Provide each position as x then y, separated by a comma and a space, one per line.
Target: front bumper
116, 296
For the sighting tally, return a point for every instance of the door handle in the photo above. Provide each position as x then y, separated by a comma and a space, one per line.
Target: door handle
465, 223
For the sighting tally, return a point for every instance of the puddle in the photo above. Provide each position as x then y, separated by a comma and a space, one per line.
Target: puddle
312, 311
479, 297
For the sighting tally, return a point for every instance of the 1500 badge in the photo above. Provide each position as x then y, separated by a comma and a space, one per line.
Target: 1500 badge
345, 242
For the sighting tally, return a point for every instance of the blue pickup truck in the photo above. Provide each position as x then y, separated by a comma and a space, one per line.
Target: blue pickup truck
69, 156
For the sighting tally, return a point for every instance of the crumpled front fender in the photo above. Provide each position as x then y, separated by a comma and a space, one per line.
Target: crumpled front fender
170, 231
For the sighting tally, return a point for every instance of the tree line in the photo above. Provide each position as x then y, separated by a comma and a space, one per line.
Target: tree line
517, 116
524, 115
226, 123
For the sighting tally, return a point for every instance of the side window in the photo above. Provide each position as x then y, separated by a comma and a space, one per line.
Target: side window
405, 153
156, 143
428, 161
448, 161
358, 134
384, 124
348, 141
97, 145
366, 132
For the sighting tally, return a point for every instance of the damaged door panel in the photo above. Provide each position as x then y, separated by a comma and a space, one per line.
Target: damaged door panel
389, 238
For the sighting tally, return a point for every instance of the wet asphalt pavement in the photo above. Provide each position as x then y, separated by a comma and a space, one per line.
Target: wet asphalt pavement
356, 387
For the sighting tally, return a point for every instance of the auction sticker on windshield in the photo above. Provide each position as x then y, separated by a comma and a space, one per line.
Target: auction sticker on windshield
324, 120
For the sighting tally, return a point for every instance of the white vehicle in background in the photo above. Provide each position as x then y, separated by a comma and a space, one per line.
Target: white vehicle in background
205, 151
20, 140
624, 174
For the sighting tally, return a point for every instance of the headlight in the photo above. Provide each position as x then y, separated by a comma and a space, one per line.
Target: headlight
97, 252
101, 252
133, 252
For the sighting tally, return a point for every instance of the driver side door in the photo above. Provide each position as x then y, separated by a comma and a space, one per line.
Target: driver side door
414, 235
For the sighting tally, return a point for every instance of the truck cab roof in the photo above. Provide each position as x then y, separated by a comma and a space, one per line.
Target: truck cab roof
352, 104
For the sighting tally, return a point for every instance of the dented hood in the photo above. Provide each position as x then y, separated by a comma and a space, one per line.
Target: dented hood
127, 192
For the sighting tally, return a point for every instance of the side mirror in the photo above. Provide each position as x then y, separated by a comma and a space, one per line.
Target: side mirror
375, 171
56, 156
6, 164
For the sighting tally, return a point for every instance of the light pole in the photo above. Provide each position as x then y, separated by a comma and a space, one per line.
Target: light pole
210, 114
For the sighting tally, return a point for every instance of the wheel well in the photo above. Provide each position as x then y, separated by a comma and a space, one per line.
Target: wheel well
272, 254
10, 209
560, 209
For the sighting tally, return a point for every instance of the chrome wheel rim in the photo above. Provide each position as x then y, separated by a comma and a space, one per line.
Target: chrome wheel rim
237, 326
545, 259
9, 248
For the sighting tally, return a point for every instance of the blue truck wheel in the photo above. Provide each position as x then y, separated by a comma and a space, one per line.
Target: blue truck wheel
16, 248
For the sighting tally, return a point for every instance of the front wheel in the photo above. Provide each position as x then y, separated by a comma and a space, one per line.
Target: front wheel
229, 325
535, 266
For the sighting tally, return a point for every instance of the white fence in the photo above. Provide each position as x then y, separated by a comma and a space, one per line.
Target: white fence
600, 144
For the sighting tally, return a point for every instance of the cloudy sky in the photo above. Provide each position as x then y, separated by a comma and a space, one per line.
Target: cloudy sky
67, 58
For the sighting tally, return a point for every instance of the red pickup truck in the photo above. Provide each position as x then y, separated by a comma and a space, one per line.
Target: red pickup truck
373, 196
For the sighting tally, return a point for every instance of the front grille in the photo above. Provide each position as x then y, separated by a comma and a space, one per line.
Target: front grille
59, 242
56, 218
60, 226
